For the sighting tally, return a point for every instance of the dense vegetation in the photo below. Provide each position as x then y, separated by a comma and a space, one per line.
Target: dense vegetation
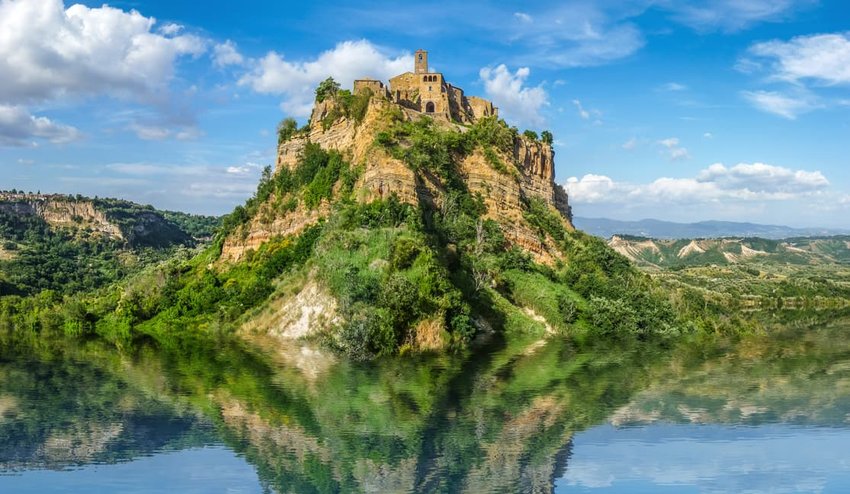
44, 258
433, 274
36, 256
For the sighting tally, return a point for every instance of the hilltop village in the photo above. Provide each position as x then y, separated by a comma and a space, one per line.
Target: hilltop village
429, 92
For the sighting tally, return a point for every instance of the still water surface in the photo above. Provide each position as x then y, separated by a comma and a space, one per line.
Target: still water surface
767, 414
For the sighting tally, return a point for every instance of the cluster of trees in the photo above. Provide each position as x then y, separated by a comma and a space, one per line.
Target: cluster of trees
45, 258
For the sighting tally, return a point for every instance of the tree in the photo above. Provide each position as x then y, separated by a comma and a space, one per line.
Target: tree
286, 129
326, 89
530, 134
547, 137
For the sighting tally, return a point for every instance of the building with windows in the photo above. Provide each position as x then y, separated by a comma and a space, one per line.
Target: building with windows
429, 92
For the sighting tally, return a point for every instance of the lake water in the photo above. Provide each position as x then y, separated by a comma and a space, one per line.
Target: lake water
765, 414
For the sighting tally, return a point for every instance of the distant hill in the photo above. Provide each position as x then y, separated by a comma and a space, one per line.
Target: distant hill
606, 228
667, 253
73, 243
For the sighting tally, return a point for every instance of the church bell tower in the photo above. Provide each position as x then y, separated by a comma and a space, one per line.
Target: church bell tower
420, 62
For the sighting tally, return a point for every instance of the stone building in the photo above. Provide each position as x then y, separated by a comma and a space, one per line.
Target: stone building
429, 92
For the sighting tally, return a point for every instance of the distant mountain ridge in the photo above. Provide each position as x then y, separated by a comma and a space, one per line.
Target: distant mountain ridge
658, 229
679, 253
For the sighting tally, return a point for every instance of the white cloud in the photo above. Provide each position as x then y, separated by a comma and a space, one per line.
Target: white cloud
731, 15
760, 177
170, 29
708, 135
674, 150
515, 100
630, 144
19, 128
177, 183
584, 114
823, 58
150, 132
674, 87
590, 188
782, 104
50, 54
225, 54
742, 182
47, 51
578, 34
296, 81
155, 132
523, 17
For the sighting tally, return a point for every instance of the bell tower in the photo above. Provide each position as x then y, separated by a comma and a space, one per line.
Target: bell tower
420, 62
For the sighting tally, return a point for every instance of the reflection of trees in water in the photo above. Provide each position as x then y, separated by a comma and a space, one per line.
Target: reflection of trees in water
499, 421
63, 413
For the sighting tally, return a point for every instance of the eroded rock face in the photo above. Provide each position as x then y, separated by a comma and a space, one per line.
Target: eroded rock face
267, 224
61, 212
531, 175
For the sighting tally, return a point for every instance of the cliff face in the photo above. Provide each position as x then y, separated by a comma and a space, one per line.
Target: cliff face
529, 175
116, 220
61, 212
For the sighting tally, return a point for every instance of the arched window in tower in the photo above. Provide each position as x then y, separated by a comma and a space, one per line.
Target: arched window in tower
429, 107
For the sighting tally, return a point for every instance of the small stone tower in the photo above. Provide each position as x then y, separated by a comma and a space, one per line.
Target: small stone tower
420, 62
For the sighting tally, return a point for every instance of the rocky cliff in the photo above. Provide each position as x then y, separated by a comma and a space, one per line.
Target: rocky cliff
117, 220
527, 174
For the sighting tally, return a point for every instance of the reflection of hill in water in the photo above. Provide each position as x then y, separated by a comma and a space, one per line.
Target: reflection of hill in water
799, 377
502, 421
60, 414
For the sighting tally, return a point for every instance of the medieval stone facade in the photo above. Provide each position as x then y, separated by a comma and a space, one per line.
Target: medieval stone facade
429, 92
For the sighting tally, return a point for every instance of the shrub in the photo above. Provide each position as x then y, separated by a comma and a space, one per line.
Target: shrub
530, 134
568, 308
401, 299
403, 253
547, 137
612, 317
326, 89
286, 129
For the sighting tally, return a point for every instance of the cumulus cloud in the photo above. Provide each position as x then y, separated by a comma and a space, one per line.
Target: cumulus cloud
48, 51
296, 80
19, 128
741, 182
225, 54
673, 149
782, 104
170, 29
509, 92
760, 177
630, 144
822, 58
731, 15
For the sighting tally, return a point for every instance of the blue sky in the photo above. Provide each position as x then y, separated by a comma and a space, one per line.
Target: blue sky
685, 111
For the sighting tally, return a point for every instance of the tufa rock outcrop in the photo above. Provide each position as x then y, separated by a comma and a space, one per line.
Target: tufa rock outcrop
528, 175
121, 221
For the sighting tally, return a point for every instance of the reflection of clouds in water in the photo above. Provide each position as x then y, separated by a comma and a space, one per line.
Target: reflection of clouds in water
713, 458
